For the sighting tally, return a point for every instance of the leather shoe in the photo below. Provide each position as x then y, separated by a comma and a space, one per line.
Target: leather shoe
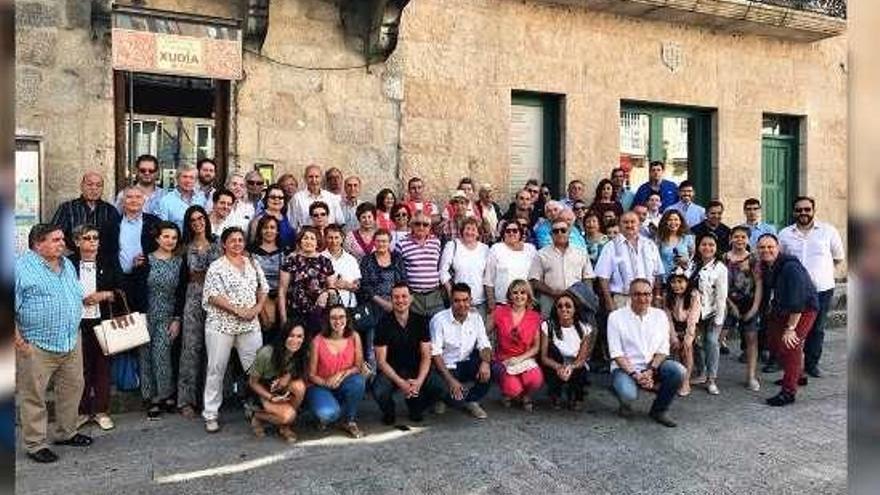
388, 419
771, 368
663, 418
77, 440
802, 381
43, 456
781, 399
814, 371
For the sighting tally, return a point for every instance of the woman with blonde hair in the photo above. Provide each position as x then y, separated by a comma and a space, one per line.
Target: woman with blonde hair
517, 326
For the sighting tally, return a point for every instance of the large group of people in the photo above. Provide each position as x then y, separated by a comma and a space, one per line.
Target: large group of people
326, 297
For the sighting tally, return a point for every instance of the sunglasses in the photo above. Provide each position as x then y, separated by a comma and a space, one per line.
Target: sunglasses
803, 210
511, 231
560, 231
402, 215
420, 224
147, 171
255, 183
276, 196
89, 237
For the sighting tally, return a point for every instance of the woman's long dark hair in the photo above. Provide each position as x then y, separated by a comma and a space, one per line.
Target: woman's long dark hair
258, 234
597, 197
380, 199
187, 230
553, 322
663, 232
282, 360
688, 293
698, 258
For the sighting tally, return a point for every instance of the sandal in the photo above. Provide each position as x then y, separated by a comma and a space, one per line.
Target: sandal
286, 433
257, 427
154, 412
188, 412
77, 440
352, 429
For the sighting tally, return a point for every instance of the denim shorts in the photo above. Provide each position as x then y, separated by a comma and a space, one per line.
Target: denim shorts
743, 326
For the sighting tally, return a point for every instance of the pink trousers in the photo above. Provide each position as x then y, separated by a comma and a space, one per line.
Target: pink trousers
513, 386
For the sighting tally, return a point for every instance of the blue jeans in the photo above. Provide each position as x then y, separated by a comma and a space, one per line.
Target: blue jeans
671, 375
816, 337
330, 405
707, 355
465, 372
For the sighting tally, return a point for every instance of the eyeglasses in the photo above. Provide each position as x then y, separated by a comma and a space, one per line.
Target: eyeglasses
511, 231
420, 224
580, 208
147, 171
560, 231
642, 294
276, 196
89, 237
319, 214
402, 214
803, 210
255, 183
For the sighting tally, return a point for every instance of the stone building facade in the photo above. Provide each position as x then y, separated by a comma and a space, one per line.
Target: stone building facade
444, 104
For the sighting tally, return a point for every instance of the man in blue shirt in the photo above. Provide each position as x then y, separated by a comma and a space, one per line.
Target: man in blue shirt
176, 201
693, 213
667, 189
133, 239
757, 228
622, 193
48, 308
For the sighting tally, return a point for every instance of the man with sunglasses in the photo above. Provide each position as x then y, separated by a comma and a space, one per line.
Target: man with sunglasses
557, 267
638, 343
146, 179
818, 246
254, 184
298, 208
421, 259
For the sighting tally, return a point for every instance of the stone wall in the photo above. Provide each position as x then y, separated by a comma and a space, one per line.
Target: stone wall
462, 58
440, 106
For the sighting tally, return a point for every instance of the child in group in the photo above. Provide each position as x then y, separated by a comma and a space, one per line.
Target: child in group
682, 304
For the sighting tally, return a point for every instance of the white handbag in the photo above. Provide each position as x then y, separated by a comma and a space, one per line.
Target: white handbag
123, 332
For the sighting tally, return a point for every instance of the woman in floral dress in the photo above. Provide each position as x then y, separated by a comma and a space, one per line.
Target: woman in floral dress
303, 283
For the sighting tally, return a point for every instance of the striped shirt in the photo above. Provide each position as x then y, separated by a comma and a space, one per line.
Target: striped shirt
422, 262
76, 212
48, 305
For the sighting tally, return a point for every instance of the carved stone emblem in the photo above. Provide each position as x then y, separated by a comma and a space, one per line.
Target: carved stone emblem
671, 55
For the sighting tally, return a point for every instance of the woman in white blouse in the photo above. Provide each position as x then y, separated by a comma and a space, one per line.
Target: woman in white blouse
235, 290
507, 261
710, 278
464, 260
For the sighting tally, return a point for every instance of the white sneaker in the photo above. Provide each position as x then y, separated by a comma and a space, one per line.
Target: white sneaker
104, 421
475, 410
212, 426
754, 385
439, 407
713, 389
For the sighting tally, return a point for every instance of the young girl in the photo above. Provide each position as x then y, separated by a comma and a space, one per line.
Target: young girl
710, 277
744, 299
683, 307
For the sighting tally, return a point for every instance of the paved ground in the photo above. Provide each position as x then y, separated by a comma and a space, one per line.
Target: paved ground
731, 444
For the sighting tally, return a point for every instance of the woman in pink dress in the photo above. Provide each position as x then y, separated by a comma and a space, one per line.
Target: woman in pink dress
517, 328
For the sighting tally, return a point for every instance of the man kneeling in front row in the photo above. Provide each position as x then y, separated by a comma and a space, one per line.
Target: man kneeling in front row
403, 355
461, 352
638, 343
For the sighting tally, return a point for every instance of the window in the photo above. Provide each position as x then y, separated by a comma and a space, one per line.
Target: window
677, 136
147, 137
204, 143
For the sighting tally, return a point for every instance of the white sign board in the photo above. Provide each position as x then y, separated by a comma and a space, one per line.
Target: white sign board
27, 194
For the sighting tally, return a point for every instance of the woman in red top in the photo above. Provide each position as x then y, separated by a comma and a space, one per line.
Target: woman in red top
385, 202
517, 328
335, 373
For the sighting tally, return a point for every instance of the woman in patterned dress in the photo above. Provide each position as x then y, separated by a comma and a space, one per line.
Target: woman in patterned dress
201, 249
166, 287
303, 283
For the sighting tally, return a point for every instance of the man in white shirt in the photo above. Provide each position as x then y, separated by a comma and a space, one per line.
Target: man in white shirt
638, 343
818, 246
625, 258
298, 210
461, 352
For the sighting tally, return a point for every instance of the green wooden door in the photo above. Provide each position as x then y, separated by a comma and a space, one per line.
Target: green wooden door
779, 179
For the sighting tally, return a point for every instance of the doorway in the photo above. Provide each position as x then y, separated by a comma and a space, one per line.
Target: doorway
179, 120
779, 167
535, 140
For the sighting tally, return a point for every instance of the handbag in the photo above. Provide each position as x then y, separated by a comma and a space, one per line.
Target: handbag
125, 372
123, 332
364, 316
521, 367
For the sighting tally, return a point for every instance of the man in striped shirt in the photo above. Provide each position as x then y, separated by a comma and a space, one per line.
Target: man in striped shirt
88, 208
421, 257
